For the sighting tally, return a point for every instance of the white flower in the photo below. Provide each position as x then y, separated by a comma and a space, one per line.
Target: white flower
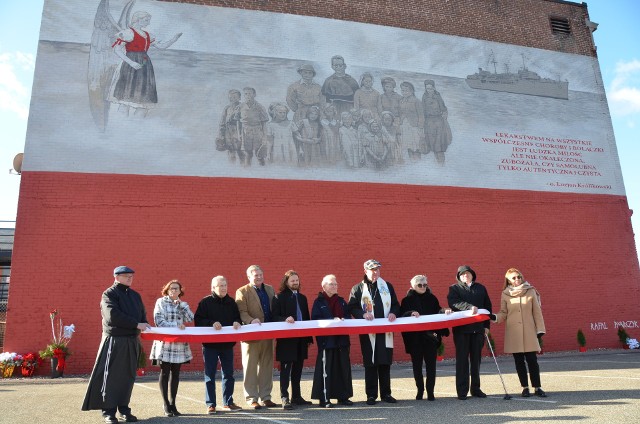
633, 343
69, 330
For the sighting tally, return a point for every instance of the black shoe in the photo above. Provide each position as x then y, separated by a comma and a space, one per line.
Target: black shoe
539, 392
420, 395
128, 418
431, 397
286, 405
345, 402
462, 397
525, 392
110, 419
479, 394
371, 401
300, 401
389, 399
168, 412
175, 411
324, 404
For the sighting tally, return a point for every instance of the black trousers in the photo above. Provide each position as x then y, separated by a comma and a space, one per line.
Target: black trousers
521, 368
468, 356
427, 355
293, 371
375, 374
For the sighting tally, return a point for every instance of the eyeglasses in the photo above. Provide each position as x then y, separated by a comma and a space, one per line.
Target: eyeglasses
517, 277
174, 288
421, 285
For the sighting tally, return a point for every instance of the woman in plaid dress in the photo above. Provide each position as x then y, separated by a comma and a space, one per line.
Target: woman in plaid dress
170, 311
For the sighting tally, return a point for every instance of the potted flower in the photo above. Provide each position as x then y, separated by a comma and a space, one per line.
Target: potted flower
582, 341
30, 362
57, 351
623, 336
8, 362
440, 356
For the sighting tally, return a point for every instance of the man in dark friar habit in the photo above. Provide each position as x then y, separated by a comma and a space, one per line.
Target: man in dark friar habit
113, 375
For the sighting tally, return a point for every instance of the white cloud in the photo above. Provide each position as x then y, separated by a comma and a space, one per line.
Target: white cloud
624, 92
16, 72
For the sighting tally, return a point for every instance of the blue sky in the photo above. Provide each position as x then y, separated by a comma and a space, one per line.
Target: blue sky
617, 39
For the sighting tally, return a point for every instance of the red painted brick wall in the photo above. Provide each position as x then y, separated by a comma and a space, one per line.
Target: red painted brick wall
522, 22
72, 230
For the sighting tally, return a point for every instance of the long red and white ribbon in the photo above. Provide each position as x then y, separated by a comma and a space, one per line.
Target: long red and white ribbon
283, 330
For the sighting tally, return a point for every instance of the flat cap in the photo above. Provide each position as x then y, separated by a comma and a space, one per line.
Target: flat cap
372, 264
122, 270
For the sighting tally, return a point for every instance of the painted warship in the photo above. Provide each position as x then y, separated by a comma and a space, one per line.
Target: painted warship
523, 82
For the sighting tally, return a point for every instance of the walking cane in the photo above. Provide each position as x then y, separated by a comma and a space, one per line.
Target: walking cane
507, 396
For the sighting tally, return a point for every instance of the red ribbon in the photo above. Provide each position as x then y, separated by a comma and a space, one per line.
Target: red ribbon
60, 355
313, 328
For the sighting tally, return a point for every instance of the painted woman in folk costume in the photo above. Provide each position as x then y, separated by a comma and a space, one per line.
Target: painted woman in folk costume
134, 82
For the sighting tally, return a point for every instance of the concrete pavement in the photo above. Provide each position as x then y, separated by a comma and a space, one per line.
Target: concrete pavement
596, 386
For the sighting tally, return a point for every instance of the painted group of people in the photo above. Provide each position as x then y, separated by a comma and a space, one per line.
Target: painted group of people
124, 317
342, 121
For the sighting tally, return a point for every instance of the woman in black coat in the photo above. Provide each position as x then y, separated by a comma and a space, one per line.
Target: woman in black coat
422, 345
290, 306
332, 376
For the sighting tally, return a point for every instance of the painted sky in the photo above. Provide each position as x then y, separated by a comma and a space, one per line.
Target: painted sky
618, 54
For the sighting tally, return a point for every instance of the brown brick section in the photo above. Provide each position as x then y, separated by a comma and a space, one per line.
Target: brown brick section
521, 22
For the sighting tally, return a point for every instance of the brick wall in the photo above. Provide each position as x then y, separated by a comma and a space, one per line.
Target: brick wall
74, 228
522, 22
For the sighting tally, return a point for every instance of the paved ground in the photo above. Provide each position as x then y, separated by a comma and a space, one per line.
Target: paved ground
597, 386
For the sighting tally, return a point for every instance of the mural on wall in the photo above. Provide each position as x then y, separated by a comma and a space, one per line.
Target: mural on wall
275, 98
120, 71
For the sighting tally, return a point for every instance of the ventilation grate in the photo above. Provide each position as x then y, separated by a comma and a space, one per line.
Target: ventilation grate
560, 25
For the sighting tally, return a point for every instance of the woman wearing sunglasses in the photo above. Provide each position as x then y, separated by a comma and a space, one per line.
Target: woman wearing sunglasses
520, 309
422, 345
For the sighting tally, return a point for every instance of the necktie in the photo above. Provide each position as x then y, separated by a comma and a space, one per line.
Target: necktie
298, 311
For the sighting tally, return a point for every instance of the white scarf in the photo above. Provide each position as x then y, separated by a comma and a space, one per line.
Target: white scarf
367, 306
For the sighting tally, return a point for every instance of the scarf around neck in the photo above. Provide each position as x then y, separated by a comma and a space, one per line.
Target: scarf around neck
367, 303
522, 289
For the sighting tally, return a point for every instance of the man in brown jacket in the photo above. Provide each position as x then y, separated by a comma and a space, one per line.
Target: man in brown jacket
254, 302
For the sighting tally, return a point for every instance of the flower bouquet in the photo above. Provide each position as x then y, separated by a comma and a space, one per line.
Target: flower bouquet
57, 351
30, 362
8, 361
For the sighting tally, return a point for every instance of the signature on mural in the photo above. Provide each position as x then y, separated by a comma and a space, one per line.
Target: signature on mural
120, 70
343, 121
